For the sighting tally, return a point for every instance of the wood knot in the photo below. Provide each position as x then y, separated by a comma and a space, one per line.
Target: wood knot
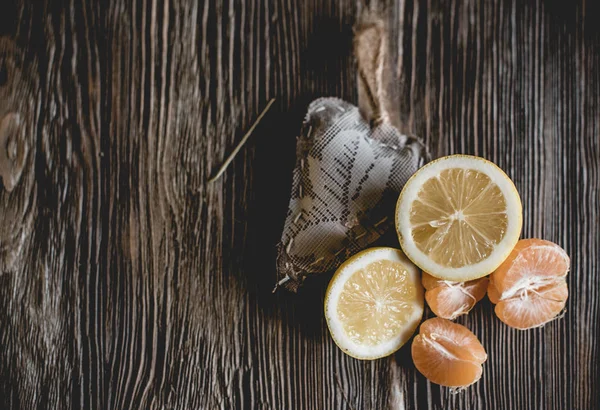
13, 150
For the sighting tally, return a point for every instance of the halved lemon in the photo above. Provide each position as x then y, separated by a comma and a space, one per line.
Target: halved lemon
459, 217
374, 303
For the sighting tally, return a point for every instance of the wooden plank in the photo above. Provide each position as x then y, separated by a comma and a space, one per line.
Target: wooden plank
51, 225
128, 281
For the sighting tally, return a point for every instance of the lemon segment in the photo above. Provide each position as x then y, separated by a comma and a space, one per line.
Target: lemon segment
374, 303
459, 217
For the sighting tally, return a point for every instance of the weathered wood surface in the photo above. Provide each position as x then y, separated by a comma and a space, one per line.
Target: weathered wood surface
127, 281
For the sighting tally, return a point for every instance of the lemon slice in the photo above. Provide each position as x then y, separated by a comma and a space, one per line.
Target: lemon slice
459, 217
374, 303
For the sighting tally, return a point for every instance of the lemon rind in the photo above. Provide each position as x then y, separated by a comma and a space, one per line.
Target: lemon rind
410, 192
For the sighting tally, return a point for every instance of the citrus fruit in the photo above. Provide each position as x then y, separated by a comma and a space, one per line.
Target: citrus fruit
459, 217
447, 353
529, 288
448, 299
374, 303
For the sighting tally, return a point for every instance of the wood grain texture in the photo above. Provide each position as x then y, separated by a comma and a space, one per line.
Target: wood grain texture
127, 281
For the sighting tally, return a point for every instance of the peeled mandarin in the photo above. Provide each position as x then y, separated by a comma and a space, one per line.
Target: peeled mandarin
448, 354
448, 299
529, 288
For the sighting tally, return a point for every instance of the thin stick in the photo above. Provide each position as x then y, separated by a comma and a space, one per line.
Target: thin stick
242, 142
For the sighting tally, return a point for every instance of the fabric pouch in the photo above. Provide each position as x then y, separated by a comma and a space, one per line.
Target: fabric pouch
351, 164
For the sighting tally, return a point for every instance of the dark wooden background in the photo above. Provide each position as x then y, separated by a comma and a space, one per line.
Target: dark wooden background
128, 281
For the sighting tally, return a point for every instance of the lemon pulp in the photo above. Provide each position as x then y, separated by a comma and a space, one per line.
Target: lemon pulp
376, 302
459, 217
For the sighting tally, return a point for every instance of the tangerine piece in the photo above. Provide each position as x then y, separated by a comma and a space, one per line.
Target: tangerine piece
529, 288
448, 354
449, 299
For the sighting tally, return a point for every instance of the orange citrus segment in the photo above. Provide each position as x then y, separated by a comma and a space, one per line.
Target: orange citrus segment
534, 310
529, 288
447, 353
449, 300
493, 293
430, 282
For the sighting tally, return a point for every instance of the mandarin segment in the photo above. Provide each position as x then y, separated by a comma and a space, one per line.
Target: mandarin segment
448, 354
492, 292
430, 282
529, 288
534, 310
532, 258
456, 338
449, 300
